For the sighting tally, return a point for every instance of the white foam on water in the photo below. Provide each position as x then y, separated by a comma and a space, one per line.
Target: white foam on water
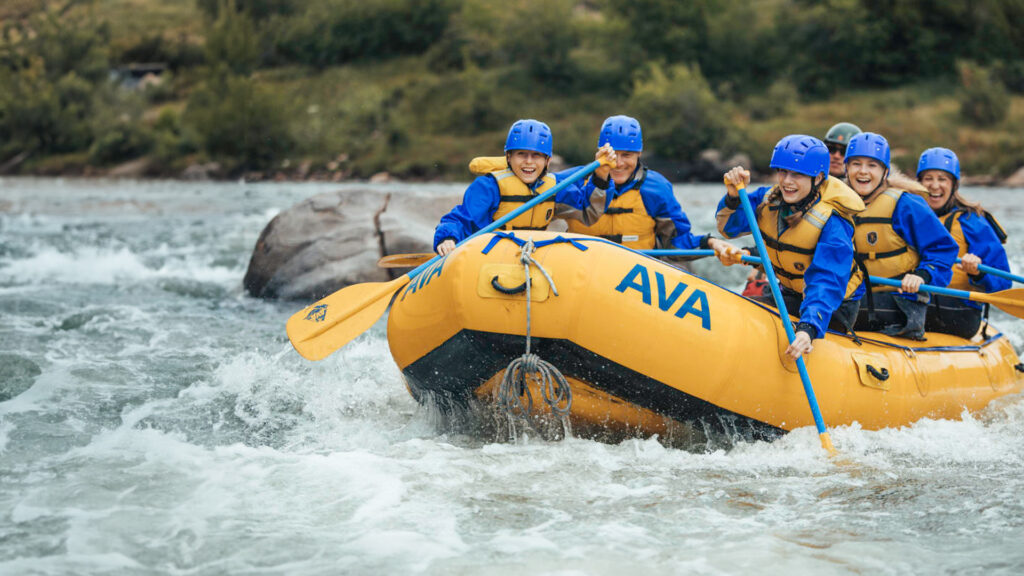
184, 436
89, 265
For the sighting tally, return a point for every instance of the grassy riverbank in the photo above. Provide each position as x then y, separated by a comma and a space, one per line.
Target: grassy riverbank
335, 89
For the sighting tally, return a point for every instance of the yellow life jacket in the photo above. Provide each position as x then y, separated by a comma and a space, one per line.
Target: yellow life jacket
882, 251
514, 193
792, 250
961, 281
625, 220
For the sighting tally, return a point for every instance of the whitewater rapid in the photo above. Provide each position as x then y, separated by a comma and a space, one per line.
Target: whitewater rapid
155, 420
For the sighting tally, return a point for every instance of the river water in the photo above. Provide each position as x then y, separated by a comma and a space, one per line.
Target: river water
155, 420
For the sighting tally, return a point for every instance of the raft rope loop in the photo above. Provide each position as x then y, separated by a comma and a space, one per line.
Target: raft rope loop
530, 367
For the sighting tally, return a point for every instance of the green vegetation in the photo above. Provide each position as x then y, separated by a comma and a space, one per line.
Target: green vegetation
347, 88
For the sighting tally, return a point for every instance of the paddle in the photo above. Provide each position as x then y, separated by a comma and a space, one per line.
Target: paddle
773, 282
1009, 301
998, 272
411, 260
328, 324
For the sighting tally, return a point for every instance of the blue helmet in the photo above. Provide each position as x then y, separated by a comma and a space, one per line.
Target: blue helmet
869, 145
623, 133
939, 159
801, 154
529, 135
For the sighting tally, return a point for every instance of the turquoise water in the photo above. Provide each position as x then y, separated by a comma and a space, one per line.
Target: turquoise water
155, 420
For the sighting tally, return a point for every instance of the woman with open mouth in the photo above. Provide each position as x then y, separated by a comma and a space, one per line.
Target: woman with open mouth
978, 235
897, 236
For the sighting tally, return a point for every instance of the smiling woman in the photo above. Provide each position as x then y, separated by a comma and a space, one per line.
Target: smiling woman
978, 235
897, 237
806, 221
507, 183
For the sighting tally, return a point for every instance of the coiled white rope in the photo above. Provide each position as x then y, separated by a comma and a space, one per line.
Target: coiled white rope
530, 367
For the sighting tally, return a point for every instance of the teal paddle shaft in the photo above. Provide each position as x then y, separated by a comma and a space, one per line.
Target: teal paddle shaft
773, 282
952, 292
998, 272
584, 171
693, 253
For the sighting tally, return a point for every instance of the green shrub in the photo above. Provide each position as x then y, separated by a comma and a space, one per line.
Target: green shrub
984, 100
535, 35
1011, 74
237, 121
679, 113
777, 101
331, 32
120, 142
232, 40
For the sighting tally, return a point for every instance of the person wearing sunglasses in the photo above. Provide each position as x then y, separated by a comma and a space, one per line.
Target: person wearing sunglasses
837, 139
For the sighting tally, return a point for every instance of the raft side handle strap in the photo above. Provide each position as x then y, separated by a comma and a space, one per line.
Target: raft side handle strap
499, 236
515, 290
882, 375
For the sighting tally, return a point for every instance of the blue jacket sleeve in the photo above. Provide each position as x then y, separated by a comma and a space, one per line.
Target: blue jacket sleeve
983, 243
828, 274
732, 222
476, 211
577, 194
662, 205
914, 220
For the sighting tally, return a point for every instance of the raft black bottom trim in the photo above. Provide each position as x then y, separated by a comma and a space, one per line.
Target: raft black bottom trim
455, 369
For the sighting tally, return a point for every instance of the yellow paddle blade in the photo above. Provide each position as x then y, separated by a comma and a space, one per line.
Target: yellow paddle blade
403, 260
1010, 301
325, 326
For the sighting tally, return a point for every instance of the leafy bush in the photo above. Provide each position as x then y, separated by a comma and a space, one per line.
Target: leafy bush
177, 54
679, 113
237, 121
984, 100
332, 32
1011, 74
120, 142
255, 9
536, 35
232, 40
170, 141
777, 101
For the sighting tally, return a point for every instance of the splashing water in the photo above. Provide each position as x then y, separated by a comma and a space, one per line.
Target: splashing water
154, 419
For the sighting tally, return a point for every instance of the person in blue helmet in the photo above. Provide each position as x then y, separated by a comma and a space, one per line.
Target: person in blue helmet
978, 235
898, 237
641, 212
806, 219
506, 183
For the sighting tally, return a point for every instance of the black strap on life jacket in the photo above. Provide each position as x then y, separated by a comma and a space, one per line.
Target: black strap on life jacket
517, 197
872, 220
615, 210
783, 247
867, 284
996, 226
860, 256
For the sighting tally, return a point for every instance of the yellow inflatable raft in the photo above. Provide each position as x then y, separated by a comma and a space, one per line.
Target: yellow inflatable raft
646, 347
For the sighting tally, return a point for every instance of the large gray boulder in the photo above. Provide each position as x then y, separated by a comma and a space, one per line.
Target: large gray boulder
334, 239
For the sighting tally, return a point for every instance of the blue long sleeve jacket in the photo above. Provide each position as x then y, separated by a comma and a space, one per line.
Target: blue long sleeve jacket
672, 226
828, 274
480, 202
983, 243
916, 223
